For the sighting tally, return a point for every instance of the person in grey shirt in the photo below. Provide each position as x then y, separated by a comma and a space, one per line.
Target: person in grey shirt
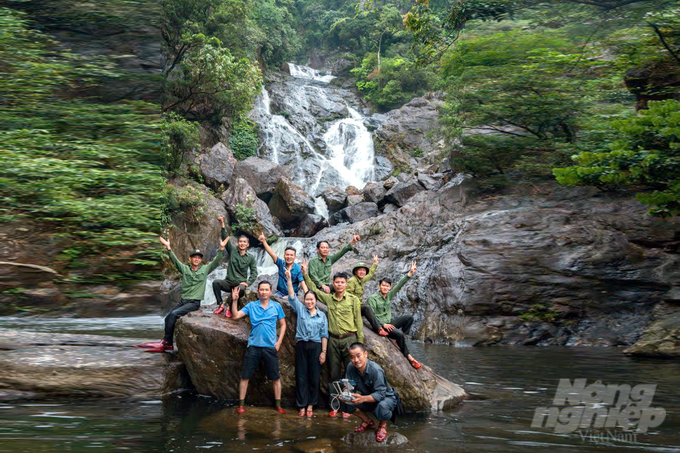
373, 393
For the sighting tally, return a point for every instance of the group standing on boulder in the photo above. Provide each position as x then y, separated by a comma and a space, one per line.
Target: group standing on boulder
336, 338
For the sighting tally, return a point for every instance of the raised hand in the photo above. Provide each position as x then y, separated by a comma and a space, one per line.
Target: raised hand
221, 220
165, 242
376, 260
413, 269
303, 266
223, 243
288, 276
235, 292
262, 238
355, 238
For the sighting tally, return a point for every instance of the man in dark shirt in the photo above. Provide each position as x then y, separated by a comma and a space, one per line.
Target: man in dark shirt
373, 393
241, 263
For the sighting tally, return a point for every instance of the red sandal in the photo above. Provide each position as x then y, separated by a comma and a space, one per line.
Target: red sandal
415, 364
381, 434
219, 310
364, 426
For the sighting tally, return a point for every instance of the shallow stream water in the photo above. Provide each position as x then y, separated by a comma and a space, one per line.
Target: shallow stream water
513, 381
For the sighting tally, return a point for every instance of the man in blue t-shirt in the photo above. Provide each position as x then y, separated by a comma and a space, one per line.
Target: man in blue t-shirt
262, 342
288, 262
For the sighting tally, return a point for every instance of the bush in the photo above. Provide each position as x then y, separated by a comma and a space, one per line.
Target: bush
243, 139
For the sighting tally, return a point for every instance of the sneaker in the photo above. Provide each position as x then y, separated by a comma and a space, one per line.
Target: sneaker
241, 410
280, 410
163, 346
227, 313
333, 414
219, 310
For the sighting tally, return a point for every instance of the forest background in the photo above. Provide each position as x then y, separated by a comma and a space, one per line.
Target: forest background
102, 102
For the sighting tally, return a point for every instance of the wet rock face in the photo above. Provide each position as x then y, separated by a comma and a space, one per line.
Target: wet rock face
403, 131
309, 226
290, 204
217, 166
260, 174
212, 348
553, 267
240, 193
49, 365
661, 339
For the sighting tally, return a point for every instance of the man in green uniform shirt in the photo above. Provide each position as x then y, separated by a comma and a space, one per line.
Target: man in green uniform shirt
194, 278
320, 267
241, 263
355, 286
397, 328
344, 324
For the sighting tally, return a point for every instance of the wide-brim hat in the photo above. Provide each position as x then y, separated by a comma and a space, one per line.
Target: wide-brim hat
196, 252
359, 265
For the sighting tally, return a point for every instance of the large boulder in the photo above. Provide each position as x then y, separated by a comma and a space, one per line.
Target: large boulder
217, 166
290, 204
355, 213
203, 340
196, 227
374, 192
335, 199
240, 193
60, 365
260, 174
309, 226
661, 339
401, 192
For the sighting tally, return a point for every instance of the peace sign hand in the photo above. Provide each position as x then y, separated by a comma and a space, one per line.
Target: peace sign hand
413, 269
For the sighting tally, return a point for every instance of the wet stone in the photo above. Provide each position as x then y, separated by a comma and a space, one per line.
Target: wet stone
367, 439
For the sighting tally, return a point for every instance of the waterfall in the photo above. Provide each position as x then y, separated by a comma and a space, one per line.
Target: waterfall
304, 72
348, 157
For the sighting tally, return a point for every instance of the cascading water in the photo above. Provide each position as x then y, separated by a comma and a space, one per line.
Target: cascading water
344, 155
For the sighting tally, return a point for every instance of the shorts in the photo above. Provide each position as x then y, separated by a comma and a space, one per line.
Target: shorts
254, 354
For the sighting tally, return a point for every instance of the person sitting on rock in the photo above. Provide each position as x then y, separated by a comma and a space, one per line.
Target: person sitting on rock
311, 335
344, 324
262, 342
287, 263
373, 393
320, 267
241, 264
355, 286
194, 278
398, 328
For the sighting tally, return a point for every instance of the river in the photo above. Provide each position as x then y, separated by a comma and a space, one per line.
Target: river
514, 382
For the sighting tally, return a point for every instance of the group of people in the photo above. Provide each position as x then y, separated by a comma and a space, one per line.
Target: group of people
336, 338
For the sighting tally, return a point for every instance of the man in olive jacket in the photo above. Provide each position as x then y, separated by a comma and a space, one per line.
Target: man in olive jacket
194, 279
320, 267
242, 271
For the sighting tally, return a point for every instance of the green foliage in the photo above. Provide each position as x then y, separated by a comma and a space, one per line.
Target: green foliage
87, 171
510, 88
245, 219
540, 313
178, 136
395, 83
186, 200
243, 139
275, 37
645, 152
209, 83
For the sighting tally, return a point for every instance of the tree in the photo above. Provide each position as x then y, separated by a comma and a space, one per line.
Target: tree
646, 155
210, 83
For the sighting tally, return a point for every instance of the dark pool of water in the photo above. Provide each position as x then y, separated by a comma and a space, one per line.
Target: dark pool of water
514, 381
